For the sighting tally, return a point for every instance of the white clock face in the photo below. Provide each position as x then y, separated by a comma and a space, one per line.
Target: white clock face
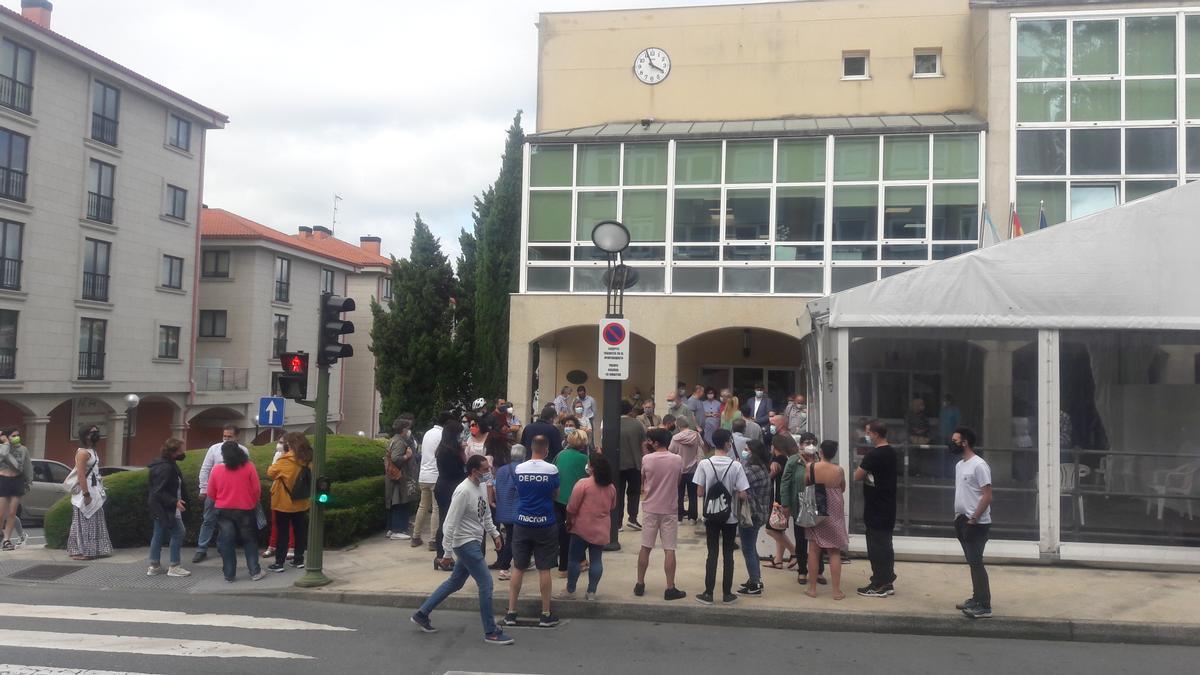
652, 65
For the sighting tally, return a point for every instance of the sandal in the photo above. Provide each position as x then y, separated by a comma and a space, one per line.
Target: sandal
794, 564
775, 565
803, 581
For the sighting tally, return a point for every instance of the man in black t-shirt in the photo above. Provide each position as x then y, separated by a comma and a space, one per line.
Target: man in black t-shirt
878, 475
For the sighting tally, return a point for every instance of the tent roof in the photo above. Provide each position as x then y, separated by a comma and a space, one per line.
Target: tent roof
1130, 267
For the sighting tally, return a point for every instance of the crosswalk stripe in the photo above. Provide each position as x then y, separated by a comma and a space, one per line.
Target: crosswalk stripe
128, 644
154, 616
14, 669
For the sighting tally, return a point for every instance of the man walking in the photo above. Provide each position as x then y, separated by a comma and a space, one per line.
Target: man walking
535, 533
466, 523
720, 470
629, 469
660, 477
973, 518
208, 526
877, 472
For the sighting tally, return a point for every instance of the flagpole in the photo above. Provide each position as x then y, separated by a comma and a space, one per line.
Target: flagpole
982, 224
1012, 210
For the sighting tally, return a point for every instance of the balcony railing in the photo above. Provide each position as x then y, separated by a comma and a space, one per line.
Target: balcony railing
104, 129
95, 286
91, 366
12, 184
10, 274
15, 95
100, 207
210, 378
8, 363
282, 289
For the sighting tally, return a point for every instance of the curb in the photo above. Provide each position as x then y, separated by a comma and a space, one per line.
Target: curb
1015, 628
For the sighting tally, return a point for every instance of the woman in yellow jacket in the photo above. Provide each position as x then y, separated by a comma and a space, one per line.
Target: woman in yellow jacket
291, 515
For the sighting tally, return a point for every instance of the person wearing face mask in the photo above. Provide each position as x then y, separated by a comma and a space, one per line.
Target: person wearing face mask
584, 407
782, 448
592, 499
972, 518
792, 485
572, 465
273, 539
88, 538
477, 433
400, 488
648, 418
739, 438
16, 475
760, 407
678, 409
562, 402
877, 472
660, 477
757, 464
689, 445
167, 498
711, 413
729, 409
208, 528
544, 426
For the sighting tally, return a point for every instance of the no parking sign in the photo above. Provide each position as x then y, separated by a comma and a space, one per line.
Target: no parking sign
614, 349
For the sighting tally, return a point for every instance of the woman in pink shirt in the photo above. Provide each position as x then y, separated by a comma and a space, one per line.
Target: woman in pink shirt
234, 489
589, 516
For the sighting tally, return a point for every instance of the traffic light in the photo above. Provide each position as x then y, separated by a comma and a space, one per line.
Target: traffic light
329, 345
293, 382
323, 485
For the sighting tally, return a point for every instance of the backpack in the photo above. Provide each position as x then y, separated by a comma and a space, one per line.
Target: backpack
302, 488
718, 503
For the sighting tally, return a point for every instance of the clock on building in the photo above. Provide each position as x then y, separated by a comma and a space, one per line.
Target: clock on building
652, 65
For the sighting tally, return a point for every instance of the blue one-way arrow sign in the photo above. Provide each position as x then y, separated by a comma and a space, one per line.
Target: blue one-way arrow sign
270, 411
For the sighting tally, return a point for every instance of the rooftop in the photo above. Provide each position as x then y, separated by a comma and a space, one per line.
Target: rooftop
222, 224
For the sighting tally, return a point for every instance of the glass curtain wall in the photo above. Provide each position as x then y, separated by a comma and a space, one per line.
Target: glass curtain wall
798, 216
1104, 111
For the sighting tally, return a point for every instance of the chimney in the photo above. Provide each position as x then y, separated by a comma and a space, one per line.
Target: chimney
370, 244
305, 232
37, 11
321, 232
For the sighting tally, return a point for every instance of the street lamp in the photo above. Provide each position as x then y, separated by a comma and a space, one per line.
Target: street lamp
362, 434
131, 402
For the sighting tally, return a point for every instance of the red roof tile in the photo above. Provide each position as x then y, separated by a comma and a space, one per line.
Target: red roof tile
221, 224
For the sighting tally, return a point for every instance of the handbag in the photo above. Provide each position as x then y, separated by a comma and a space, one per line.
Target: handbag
812, 505
777, 521
392, 471
745, 514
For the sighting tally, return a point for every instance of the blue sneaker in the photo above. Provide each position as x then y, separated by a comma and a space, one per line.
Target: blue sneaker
497, 638
422, 622
548, 620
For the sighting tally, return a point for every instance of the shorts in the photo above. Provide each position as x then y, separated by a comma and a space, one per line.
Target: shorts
664, 527
12, 486
540, 542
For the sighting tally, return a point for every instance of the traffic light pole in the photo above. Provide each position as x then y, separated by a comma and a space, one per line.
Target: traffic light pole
314, 557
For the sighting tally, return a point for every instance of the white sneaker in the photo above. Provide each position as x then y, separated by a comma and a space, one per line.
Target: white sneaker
589, 596
177, 571
564, 594
290, 554
399, 536
154, 570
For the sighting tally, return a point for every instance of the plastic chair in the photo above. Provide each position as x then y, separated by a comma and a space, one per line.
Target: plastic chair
1119, 473
1069, 475
1177, 482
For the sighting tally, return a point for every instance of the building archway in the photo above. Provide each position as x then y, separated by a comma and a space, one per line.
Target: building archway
569, 356
62, 431
740, 358
206, 424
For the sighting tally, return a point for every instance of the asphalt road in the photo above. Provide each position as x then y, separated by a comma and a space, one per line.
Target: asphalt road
42, 629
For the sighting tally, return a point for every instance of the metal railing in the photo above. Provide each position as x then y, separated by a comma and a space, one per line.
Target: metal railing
215, 378
100, 207
8, 363
12, 184
282, 291
95, 286
91, 365
10, 274
15, 95
104, 129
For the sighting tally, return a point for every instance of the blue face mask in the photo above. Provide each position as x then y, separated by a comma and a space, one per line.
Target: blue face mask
485, 477
745, 455
772, 428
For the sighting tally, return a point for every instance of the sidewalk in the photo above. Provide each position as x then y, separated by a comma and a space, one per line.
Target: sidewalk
1030, 602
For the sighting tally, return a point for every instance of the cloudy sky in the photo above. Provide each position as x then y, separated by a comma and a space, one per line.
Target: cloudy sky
399, 106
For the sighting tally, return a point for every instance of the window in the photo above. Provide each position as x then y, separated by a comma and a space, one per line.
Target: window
106, 102
326, 281
16, 76
168, 342
172, 272
91, 348
279, 344
14, 154
855, 66
179, 132
215, 264
387, 288
212, 323
176, 202
96, 258
10, 254
8, 344
283, 277
275, 390
100, 191
927, 63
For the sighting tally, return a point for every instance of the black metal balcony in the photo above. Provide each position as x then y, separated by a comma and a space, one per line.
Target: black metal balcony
91, 365
12, 184
100, 208
15, 95
8, 363
10, 274
95, 286
104, 129
282, 290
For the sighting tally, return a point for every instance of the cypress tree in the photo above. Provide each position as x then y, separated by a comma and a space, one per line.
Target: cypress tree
499, 242
464, 315
411, 337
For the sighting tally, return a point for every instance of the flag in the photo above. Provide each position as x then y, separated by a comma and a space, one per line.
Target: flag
1042, 218
1017, 230
990, 234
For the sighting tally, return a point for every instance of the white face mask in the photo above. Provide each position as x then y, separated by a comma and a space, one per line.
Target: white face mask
579, 411
279, 447
758, 393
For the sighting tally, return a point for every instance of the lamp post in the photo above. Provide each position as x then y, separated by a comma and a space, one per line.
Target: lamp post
612, 238
131, 403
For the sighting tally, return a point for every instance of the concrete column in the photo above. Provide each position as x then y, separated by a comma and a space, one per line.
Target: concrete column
666, 374
34, 435
117, 454
997, 394
548, 383
520, 377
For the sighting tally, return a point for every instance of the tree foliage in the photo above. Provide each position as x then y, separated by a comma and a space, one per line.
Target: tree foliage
464, 315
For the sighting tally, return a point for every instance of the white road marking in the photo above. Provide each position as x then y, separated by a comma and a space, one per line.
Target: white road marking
128, 644
14, 669
118, 615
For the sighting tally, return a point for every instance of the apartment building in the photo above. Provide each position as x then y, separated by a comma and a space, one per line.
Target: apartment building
101, 177
260, 296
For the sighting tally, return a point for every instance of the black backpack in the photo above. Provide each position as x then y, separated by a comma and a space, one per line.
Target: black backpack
302, 488
718, 503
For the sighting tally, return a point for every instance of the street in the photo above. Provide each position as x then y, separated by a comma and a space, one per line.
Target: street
43, 629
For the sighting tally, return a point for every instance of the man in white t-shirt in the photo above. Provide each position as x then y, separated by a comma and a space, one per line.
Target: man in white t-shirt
208, 524
720, 467
428, 509
973, 518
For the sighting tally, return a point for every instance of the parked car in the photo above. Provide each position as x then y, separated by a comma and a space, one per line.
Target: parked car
47, 488
110, 470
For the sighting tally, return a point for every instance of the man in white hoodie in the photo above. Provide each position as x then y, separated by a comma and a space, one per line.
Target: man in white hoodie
208, 528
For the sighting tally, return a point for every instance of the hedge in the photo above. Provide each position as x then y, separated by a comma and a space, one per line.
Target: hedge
356, 508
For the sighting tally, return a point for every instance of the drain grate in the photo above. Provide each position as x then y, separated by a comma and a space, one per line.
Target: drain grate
45, 572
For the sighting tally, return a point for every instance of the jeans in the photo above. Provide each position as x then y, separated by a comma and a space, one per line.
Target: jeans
564, 537
156, 541
207, 527
398, 518
594, 553
973, 539
627, 482
881, 555
749, 537
504, 557
802, 552
238, 528
686, 486
469, 561
285, 524
426, 510
721, 536
442, 494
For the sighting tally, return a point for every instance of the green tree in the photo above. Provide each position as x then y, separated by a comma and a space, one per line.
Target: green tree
499, 241
411, 335
464, 315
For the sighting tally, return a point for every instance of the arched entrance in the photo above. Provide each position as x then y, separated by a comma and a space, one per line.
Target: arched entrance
205, 426
65, 419
568, 357
741, 358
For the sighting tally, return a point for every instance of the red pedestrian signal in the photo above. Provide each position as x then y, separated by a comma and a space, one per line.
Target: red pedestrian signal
293, 381
295, 363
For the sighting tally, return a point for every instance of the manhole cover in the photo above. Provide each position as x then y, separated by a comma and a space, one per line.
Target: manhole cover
45, 572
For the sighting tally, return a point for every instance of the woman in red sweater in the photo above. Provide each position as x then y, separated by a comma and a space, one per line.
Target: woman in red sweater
234, 489
589, 516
